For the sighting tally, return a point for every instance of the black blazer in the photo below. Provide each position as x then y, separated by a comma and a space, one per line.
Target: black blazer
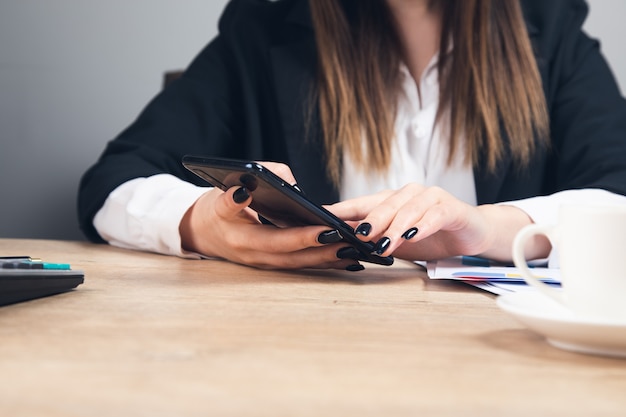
245, 96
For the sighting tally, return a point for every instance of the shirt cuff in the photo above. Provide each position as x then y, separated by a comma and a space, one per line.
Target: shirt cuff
145, 214
545, 209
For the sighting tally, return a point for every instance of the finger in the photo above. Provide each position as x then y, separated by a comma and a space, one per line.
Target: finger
269, 247
444, 213
320, 257
381, 217
431, 223
436, 218
281, 170
250, 238
408, 220
292, 239
232, 202
346, 265
355, 209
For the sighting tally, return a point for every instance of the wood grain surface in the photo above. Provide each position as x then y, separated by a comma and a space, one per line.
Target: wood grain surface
153, 335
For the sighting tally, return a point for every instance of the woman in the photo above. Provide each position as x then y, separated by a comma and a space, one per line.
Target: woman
442, 126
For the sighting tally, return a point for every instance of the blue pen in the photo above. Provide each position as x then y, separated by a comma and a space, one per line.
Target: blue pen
49, 265
486, 263
29, 263
475, 261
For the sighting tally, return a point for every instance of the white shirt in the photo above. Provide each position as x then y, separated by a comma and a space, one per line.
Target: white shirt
419, 153
145, 213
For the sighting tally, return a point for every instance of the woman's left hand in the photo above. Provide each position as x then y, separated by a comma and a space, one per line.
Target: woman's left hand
423, 223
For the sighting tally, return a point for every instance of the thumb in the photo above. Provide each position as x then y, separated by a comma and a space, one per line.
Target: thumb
232, 202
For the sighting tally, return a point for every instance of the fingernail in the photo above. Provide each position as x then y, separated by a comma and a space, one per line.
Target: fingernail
241, 195
355, 267
363, 229
348, 253
381, 245
410, 234
329, 236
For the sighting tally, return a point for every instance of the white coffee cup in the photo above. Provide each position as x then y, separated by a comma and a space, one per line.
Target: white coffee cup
591, 247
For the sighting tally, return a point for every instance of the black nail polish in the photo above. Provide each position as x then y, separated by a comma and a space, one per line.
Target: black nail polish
410, 234
240, 195
363, 229
381, 245
355, 267
348, 253
329, 236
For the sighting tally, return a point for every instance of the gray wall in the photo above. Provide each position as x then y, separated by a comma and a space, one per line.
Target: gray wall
73, 73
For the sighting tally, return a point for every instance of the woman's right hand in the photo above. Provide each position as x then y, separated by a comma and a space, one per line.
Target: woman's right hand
220, 224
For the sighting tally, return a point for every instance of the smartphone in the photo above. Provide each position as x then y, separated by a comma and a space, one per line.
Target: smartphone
275, 201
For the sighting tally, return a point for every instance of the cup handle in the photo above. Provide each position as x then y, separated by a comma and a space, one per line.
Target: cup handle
519, 243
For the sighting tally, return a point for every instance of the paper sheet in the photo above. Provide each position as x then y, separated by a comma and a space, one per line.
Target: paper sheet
490, 276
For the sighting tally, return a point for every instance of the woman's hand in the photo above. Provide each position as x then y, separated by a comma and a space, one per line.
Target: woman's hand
424, 223
220, 224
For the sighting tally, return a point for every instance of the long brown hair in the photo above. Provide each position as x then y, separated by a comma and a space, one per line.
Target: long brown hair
488, 80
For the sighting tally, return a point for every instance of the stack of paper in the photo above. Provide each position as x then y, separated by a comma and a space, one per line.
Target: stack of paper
490, 276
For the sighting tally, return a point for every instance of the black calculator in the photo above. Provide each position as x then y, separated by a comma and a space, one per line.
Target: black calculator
24, 278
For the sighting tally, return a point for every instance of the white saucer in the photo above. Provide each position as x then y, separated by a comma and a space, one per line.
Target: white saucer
563, 328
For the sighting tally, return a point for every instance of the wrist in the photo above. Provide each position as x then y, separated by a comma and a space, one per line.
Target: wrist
504, 222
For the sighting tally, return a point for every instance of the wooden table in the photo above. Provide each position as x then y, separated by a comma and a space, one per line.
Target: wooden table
152, 335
